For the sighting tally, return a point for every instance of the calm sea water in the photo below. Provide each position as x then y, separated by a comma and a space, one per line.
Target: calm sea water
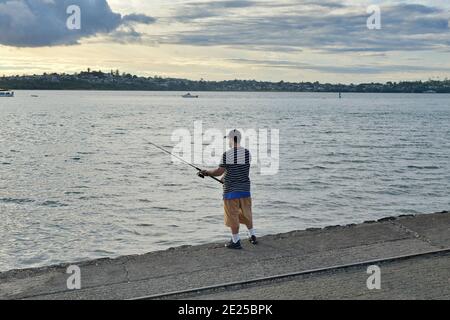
78, 181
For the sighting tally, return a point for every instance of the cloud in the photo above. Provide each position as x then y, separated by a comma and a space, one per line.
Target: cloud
37, 23
200, 10
353, 69
192, 11
138, 18
328, 26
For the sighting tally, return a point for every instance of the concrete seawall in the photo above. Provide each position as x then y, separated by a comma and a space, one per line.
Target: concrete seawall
188, 268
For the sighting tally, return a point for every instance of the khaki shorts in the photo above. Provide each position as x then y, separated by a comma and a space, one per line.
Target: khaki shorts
238, 211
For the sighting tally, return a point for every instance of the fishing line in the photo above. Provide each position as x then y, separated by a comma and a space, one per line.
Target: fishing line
182, 160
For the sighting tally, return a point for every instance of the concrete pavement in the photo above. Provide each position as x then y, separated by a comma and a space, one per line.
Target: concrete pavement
192, 267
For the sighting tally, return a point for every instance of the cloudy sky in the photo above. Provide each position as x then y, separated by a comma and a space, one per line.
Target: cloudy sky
291, 40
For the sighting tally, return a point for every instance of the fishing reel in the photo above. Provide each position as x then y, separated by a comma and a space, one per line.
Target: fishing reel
201, 175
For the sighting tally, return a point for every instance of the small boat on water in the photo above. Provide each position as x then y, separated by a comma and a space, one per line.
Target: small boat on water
188, 95
6, 93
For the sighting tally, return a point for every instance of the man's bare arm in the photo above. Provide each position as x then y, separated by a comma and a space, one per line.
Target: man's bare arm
214, 173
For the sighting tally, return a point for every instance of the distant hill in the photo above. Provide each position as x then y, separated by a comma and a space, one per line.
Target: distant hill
98, 80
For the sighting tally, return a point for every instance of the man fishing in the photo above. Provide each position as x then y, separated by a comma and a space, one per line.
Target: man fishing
235, 167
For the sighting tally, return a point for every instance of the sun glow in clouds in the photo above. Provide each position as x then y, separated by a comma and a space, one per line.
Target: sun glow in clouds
327, 41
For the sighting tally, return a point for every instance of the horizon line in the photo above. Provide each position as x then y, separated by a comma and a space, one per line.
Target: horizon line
122, 74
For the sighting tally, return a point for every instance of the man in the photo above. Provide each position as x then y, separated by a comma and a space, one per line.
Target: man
235, 166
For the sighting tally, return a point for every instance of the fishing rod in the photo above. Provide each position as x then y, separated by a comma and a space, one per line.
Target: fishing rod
184, 161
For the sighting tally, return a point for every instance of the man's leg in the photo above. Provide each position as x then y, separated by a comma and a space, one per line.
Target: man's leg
231, 209
246, 217
251, 230
235, 233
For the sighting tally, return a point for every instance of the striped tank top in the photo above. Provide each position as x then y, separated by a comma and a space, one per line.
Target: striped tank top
236, 163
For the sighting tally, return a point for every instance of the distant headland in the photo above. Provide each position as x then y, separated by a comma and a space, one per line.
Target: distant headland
114, 80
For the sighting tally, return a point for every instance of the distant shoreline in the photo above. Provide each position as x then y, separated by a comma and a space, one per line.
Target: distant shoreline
223, 91
114, 81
